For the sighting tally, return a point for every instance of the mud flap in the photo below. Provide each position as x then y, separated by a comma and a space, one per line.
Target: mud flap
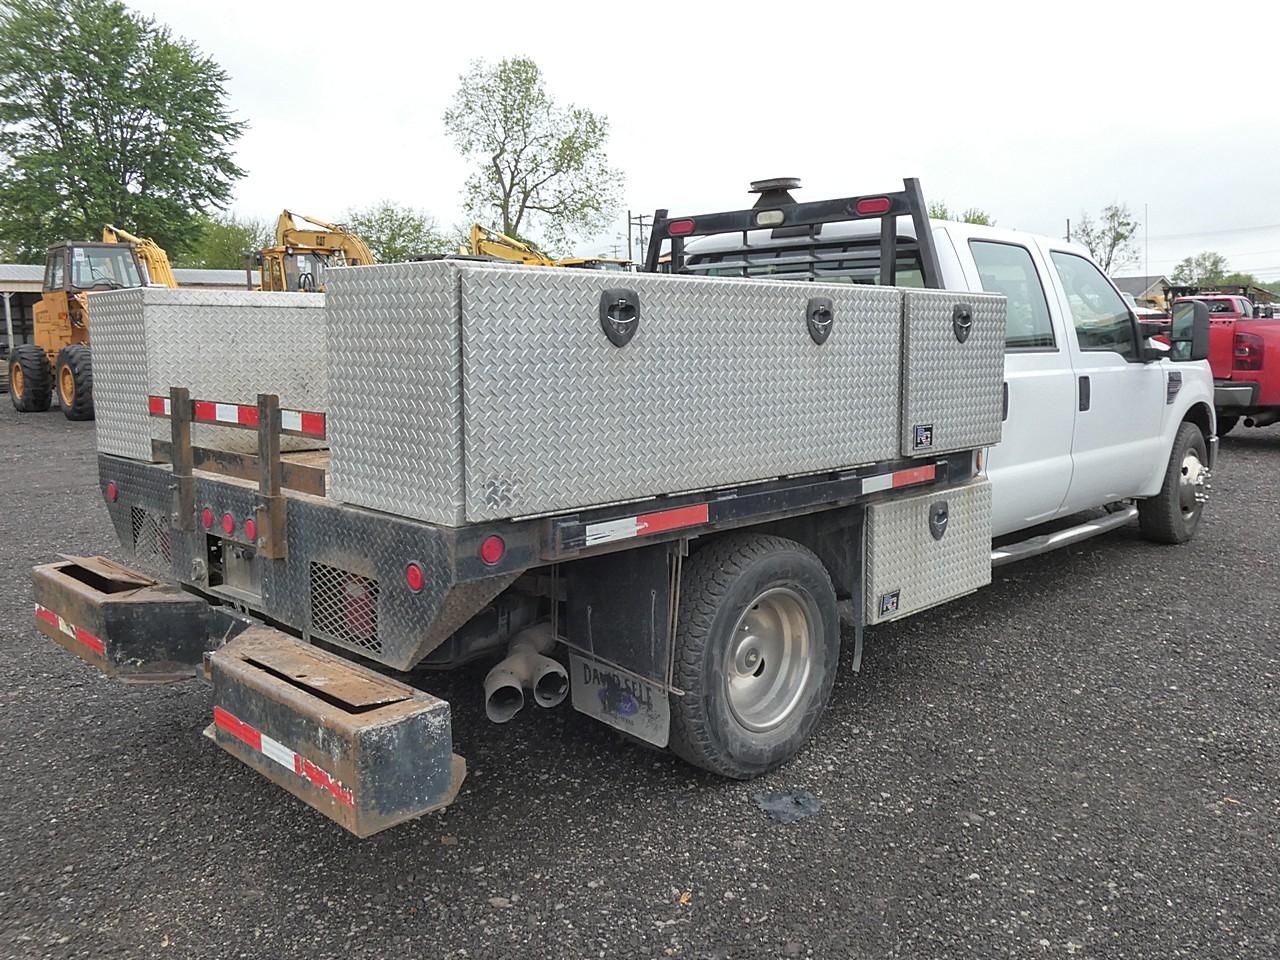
123, 622
367, 751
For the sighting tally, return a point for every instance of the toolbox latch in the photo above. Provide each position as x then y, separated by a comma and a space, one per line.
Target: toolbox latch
619, 315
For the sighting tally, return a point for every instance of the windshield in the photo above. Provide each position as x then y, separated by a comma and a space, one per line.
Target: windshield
103, 268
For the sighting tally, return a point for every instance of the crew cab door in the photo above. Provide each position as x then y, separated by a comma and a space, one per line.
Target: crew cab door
1030, 469
1119, 399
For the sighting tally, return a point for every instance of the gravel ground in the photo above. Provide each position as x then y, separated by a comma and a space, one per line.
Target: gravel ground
1080, 761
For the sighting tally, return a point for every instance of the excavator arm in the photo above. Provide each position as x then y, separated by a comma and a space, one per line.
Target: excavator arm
153, 257
336, 237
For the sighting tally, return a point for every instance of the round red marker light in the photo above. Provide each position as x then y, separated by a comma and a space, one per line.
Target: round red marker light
414, 577
228, 524
206, 518
251, 531
113, 492
492, 550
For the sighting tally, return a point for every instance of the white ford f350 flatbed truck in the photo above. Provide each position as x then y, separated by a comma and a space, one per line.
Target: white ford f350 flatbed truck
654, 492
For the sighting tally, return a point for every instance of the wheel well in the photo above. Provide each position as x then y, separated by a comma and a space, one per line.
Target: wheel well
1202, 417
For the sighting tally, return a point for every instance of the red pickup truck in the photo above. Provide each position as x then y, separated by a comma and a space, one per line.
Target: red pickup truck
1244, 353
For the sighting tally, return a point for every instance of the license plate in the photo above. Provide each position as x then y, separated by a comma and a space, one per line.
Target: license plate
623, 702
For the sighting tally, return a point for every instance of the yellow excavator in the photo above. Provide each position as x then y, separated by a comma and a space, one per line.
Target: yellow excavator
60, 354
490, 243
301, 254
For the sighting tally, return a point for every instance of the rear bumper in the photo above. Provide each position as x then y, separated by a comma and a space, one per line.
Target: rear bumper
365, 750
1228, 395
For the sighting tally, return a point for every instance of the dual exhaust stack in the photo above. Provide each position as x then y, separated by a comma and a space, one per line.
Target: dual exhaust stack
526, 668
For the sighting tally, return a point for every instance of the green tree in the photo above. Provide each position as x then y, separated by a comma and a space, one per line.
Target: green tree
224, 240
938, 210
1110, 237
105, 117
395, 232
1203, 270
537, 166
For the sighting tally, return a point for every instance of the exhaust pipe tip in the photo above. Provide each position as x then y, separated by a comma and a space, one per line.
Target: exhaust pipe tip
550, 683
503, 694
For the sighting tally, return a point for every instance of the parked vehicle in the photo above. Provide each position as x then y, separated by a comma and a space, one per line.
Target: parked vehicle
60, 354
678, 479
1244, 353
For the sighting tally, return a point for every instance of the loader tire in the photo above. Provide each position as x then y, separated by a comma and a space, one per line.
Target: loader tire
30, 380
1173, 514
75, 382
756, 649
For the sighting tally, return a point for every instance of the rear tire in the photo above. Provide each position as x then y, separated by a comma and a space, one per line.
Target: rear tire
756, 649
1226, 425
30, 380
75, 382
1172, 515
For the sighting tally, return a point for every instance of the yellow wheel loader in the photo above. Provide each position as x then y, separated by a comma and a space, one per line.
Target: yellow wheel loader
59, 357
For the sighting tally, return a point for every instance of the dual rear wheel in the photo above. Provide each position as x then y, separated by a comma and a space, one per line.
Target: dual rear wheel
757, 646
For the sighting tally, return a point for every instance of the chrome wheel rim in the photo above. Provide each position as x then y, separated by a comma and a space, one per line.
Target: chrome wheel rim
770, 658
1192, 484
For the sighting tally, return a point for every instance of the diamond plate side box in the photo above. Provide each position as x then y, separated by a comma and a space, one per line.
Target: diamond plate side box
466, 392
395, 432
222, 345
953, 346
910, 567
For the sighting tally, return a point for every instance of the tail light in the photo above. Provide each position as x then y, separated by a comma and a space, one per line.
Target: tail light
1248, 351
871, 206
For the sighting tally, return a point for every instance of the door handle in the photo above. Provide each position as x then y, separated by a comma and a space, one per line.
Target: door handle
1004, 407
1084, 393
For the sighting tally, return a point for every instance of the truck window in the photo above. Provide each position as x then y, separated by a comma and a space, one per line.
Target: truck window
1101, 319
54, 279
1008, 268
851, 262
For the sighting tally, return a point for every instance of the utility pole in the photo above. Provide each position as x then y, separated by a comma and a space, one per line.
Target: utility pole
642, 223
1068, 229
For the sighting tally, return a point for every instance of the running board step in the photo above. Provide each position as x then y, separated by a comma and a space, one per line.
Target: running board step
1034, 546
365, 750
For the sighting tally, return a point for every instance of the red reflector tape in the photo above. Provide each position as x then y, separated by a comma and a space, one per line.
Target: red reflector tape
899, 478
905, 478
78, 634
647, 523
277, 751
305, 422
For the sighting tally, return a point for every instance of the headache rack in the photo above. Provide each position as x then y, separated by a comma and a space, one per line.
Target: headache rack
776, 210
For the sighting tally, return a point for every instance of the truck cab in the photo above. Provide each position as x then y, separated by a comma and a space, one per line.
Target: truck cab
1092, 408
1244, 353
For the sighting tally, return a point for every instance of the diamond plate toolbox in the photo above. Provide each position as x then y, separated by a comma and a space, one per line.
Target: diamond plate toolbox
953, 345
925, 550
222, 345
466, 391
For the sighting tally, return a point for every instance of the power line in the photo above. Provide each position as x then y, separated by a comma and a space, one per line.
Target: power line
1214, 233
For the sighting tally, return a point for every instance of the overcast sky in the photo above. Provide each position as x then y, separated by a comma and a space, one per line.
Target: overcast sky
1031, 111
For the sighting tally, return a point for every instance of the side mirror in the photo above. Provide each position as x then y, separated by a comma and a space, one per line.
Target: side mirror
1189, 337
1148, 329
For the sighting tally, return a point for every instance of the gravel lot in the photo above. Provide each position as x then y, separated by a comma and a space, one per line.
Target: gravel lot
1081, 761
